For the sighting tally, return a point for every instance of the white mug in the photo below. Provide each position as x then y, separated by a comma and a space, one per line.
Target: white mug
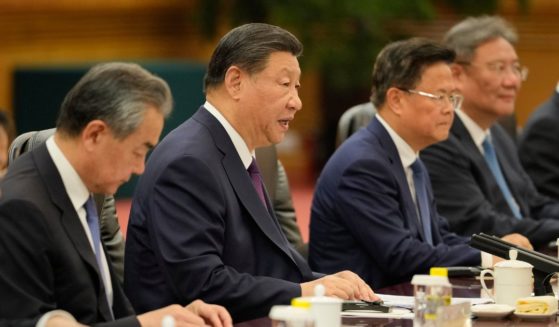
512, 279
325, 310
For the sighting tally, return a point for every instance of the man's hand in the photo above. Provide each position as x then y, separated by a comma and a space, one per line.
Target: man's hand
62, 321
192, 315
213, 315
516, 239
344, 285
519, 240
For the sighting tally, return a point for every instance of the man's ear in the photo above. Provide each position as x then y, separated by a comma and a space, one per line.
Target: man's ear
458, 72
394, 100
93, 133
233, 81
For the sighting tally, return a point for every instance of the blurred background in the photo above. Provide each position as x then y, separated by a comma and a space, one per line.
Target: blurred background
46, 45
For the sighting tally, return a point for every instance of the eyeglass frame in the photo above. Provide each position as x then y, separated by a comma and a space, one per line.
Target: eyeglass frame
517, 69
438, 97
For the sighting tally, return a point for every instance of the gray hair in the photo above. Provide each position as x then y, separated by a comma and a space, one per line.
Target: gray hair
249, 46
401, 64
471, 32
116, 93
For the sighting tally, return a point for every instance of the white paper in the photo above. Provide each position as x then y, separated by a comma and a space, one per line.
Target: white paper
397, 313
402, 306
408, 301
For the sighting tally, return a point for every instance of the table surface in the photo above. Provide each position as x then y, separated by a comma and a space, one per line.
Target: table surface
461, 287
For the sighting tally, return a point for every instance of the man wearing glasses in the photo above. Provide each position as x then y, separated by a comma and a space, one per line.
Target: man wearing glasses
373, 210
477, 178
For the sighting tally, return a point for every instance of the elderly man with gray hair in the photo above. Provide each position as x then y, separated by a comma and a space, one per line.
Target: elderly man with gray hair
479, 183
55, 269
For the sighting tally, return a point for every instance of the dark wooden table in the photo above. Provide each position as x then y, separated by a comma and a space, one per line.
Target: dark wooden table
461, 287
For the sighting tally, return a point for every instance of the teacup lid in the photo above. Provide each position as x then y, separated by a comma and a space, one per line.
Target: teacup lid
429, 280
289, 313
513, 263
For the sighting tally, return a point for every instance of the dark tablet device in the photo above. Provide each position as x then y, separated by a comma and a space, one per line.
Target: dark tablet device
365, 305
464, 271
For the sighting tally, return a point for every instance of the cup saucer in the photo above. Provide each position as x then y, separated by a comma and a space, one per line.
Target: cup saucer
492, 310
534, 316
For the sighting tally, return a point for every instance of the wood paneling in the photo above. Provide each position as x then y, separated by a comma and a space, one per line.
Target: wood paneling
42, 32
538, 49
61, 31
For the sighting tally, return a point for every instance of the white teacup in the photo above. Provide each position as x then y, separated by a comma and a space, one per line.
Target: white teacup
325, 310
512, 279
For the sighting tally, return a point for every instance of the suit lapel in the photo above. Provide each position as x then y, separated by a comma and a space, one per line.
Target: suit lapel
492, 189
241, 183
460, 131
411, 213
70, 221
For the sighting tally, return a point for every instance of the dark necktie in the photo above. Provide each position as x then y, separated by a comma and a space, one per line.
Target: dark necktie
256, 178
421, 198
93, 223
493, 163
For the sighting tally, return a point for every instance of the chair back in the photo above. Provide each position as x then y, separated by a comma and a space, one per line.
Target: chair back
353, 119
27, 142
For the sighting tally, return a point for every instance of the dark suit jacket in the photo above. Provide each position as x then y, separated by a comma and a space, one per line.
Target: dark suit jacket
468, 195
46, 260
277, 185
108, 221
539, 147
197, 229
364, 219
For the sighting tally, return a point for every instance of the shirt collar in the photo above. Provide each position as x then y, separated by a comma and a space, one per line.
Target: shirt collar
476, 132
238, 142
73, 184
405, 151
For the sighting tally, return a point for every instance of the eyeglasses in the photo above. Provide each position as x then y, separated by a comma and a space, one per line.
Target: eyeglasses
500, 69
454, 99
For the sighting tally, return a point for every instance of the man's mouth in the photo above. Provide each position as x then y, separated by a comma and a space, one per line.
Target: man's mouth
284, 122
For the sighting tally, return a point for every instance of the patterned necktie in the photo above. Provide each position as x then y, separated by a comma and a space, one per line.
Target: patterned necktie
493, 163
256, 178
421, 198
93, 223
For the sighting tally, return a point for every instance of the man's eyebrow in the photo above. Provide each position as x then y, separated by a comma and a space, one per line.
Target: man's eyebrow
149, 146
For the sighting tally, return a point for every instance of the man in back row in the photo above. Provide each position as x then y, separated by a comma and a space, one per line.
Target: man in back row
201, 223
54, 265
373, 209
537, 146
479, 183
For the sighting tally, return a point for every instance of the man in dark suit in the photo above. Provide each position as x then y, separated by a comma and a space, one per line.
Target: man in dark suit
538, 146
51, 253
373, 210
201, 224
479, 183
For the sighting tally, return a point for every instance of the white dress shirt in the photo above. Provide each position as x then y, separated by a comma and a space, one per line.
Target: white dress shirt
78, 194
476, 132
238, 142
406, 154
